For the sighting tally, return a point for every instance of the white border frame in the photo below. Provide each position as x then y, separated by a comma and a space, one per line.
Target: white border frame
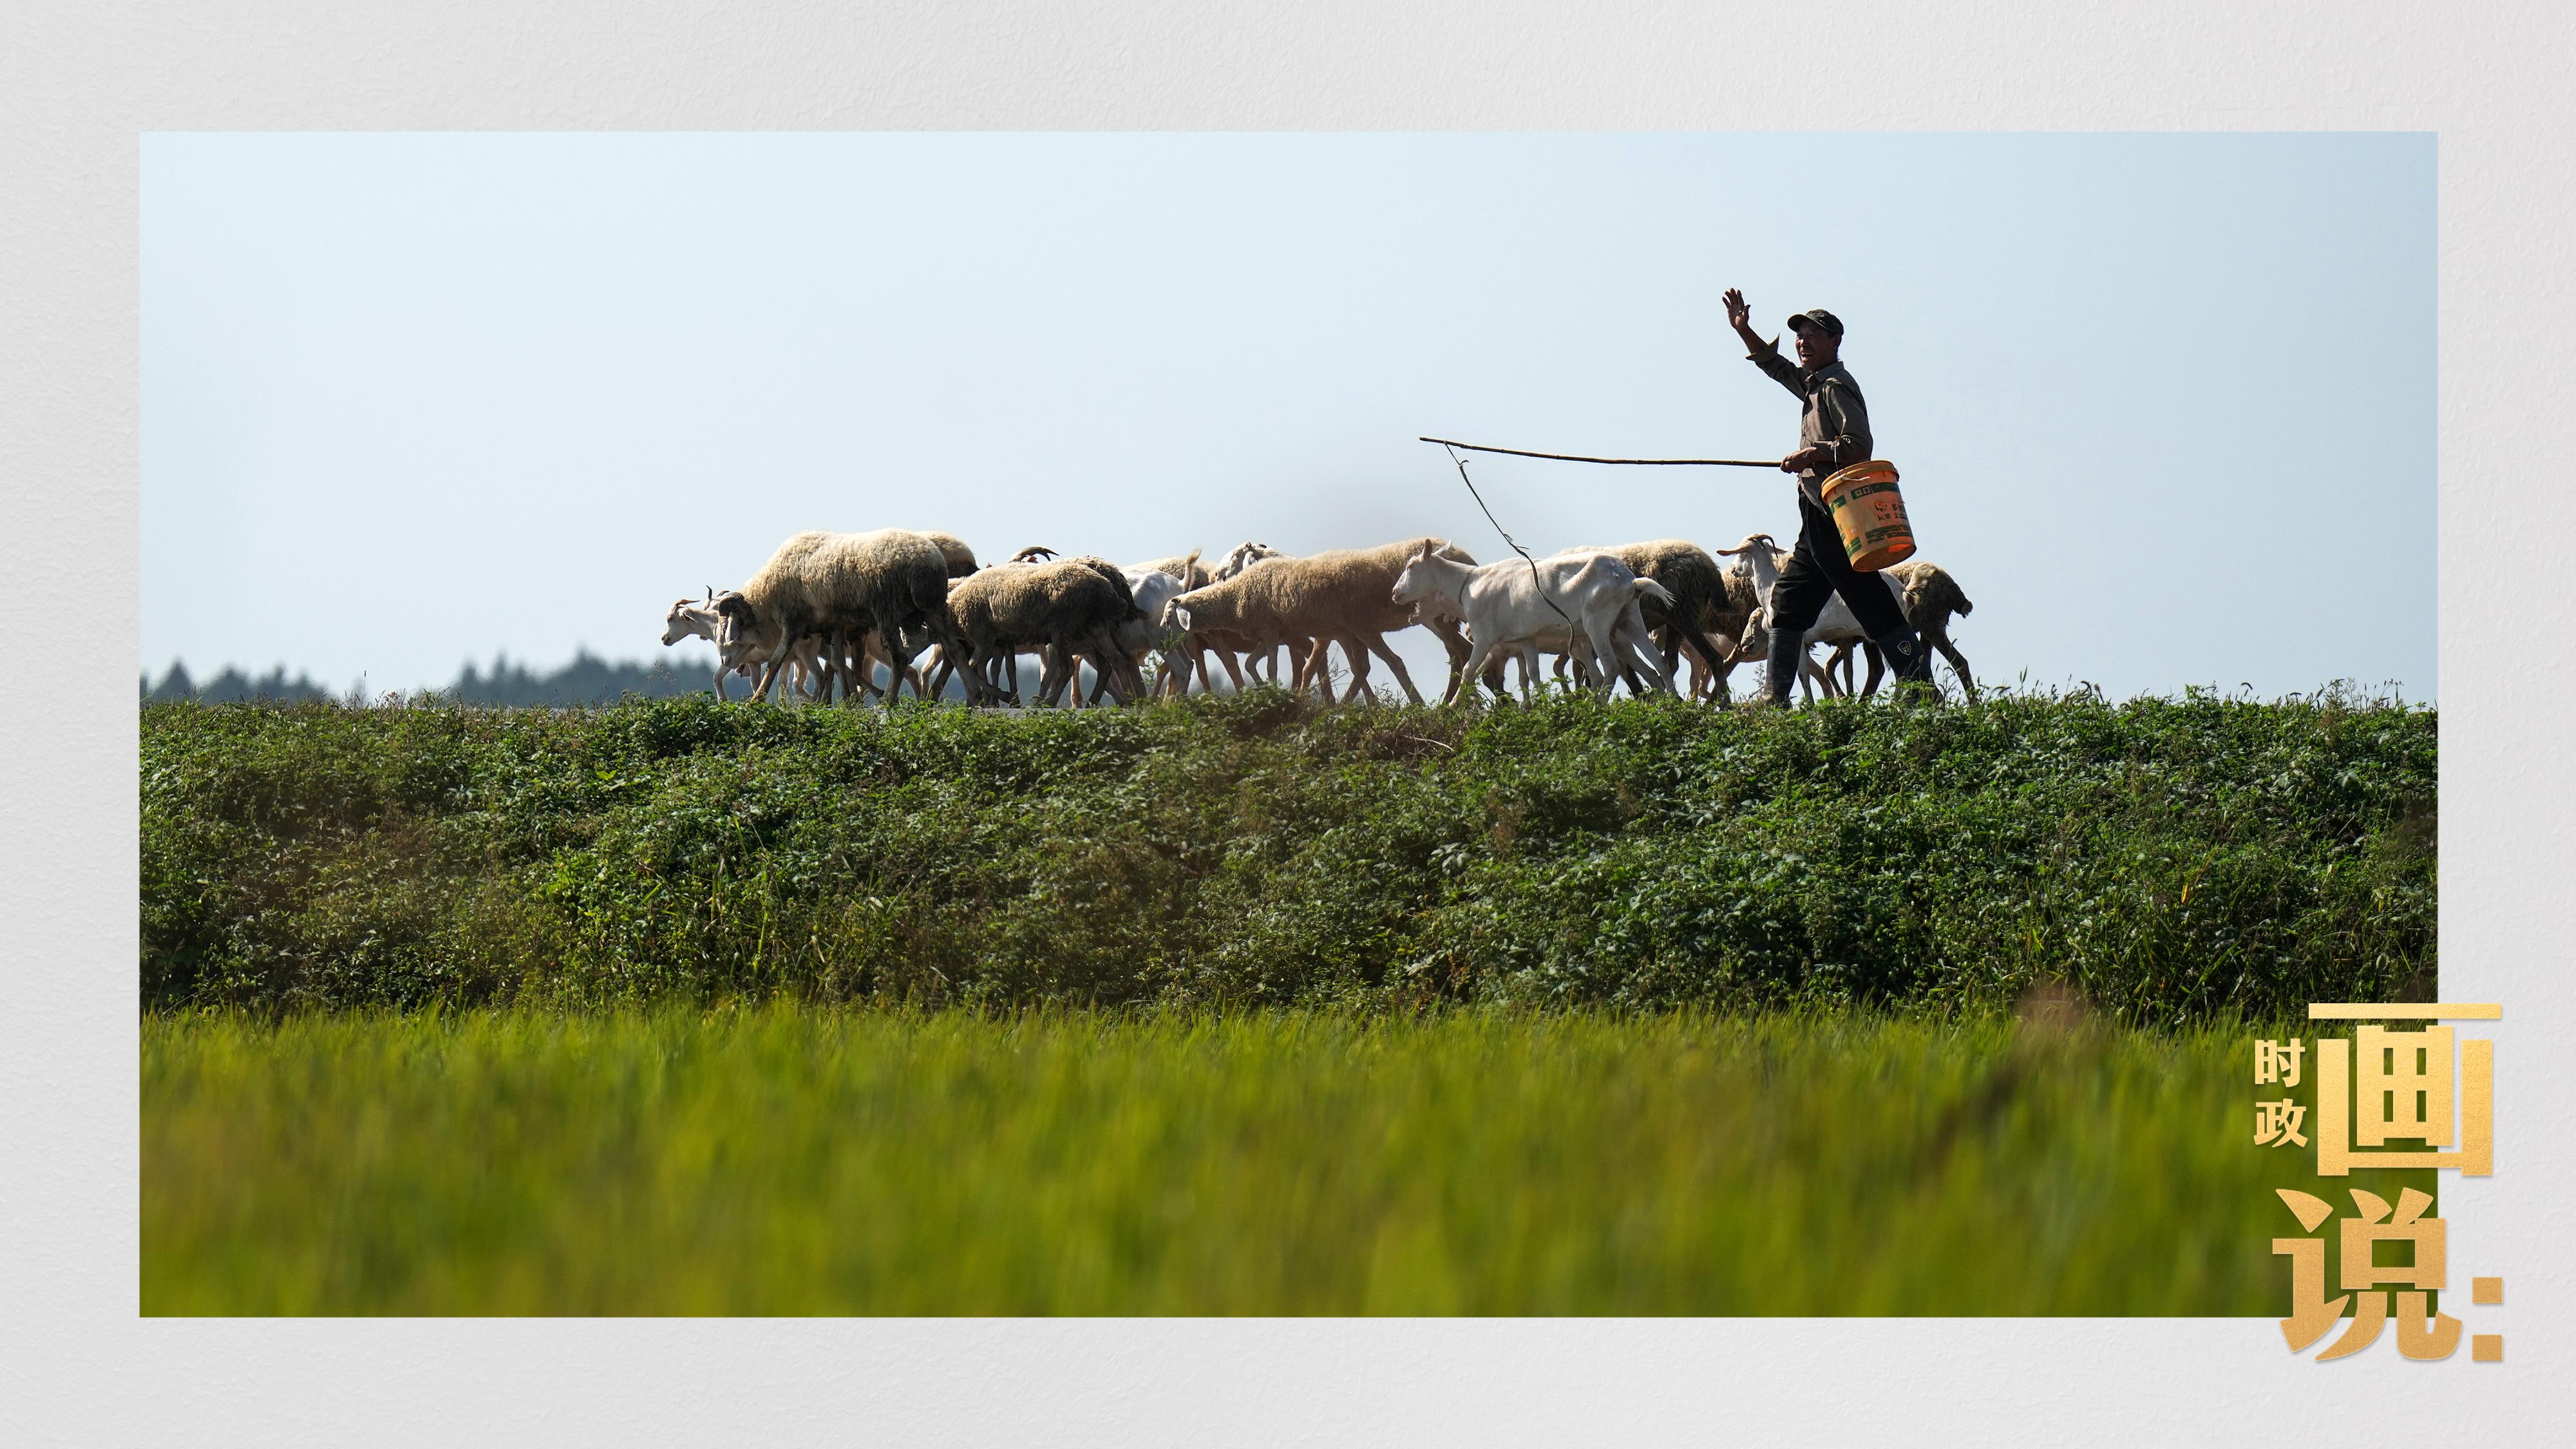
79, 83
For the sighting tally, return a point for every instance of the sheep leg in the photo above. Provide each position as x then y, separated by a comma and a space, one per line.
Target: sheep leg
1877, 669
769, 675
1316, 666
1808, 670
1358, 655
1689, 631
1685, 651
1967, 682
1113, 679
1122, 679
1198, 655
1394, 661
833, 652
1723, 668
1453, 641
873, 648
1233, 671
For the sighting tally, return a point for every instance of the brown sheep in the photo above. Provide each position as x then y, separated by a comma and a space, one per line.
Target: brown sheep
1345, 596
1065, 608
1932, 596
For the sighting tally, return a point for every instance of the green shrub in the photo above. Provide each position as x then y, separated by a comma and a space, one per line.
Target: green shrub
2176, 859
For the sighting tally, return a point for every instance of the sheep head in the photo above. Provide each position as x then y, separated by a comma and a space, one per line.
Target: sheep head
1243, 556
734, 618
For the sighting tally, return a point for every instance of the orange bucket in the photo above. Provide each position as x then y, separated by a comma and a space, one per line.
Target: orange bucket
1864, 502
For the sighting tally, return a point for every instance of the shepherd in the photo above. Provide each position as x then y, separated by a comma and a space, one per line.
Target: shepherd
1833, 433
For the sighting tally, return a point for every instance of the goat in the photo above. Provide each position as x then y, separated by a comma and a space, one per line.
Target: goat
1512, 605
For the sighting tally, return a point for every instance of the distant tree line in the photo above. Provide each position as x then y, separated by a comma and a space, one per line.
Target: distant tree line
588, 679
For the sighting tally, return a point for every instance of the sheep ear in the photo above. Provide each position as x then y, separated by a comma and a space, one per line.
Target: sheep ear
1181, 614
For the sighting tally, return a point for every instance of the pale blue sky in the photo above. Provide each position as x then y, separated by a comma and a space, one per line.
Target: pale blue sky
2164, 404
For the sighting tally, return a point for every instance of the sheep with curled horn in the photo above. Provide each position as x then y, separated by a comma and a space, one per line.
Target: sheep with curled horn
892, 581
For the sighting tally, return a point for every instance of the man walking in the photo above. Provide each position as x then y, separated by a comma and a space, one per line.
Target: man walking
1833, 433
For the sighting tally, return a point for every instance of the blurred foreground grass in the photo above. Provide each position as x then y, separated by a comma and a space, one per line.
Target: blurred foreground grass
789, 1159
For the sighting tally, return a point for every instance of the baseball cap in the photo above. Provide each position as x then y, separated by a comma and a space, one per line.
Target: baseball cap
1820, 319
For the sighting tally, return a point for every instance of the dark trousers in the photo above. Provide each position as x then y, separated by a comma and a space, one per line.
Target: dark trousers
1817, 570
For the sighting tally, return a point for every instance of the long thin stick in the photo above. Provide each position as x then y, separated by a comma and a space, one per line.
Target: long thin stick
1625, 462
1535, 581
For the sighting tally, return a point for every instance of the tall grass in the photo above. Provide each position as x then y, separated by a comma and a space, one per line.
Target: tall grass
793, 1160
2178, 859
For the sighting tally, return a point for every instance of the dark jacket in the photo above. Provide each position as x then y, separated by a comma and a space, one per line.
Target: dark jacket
1835, 415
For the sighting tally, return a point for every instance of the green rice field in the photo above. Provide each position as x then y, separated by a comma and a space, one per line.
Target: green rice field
787, 1159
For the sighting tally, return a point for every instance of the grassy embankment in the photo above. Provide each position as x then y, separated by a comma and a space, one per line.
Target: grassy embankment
2174, 860
1589, 900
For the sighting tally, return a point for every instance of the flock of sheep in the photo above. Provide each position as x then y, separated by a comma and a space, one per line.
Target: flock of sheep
830, 609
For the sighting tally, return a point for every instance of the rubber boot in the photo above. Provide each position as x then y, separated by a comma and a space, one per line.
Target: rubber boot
1787, 656
1911, 663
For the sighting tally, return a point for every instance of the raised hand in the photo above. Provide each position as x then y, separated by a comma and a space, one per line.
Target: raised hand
1738, 314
